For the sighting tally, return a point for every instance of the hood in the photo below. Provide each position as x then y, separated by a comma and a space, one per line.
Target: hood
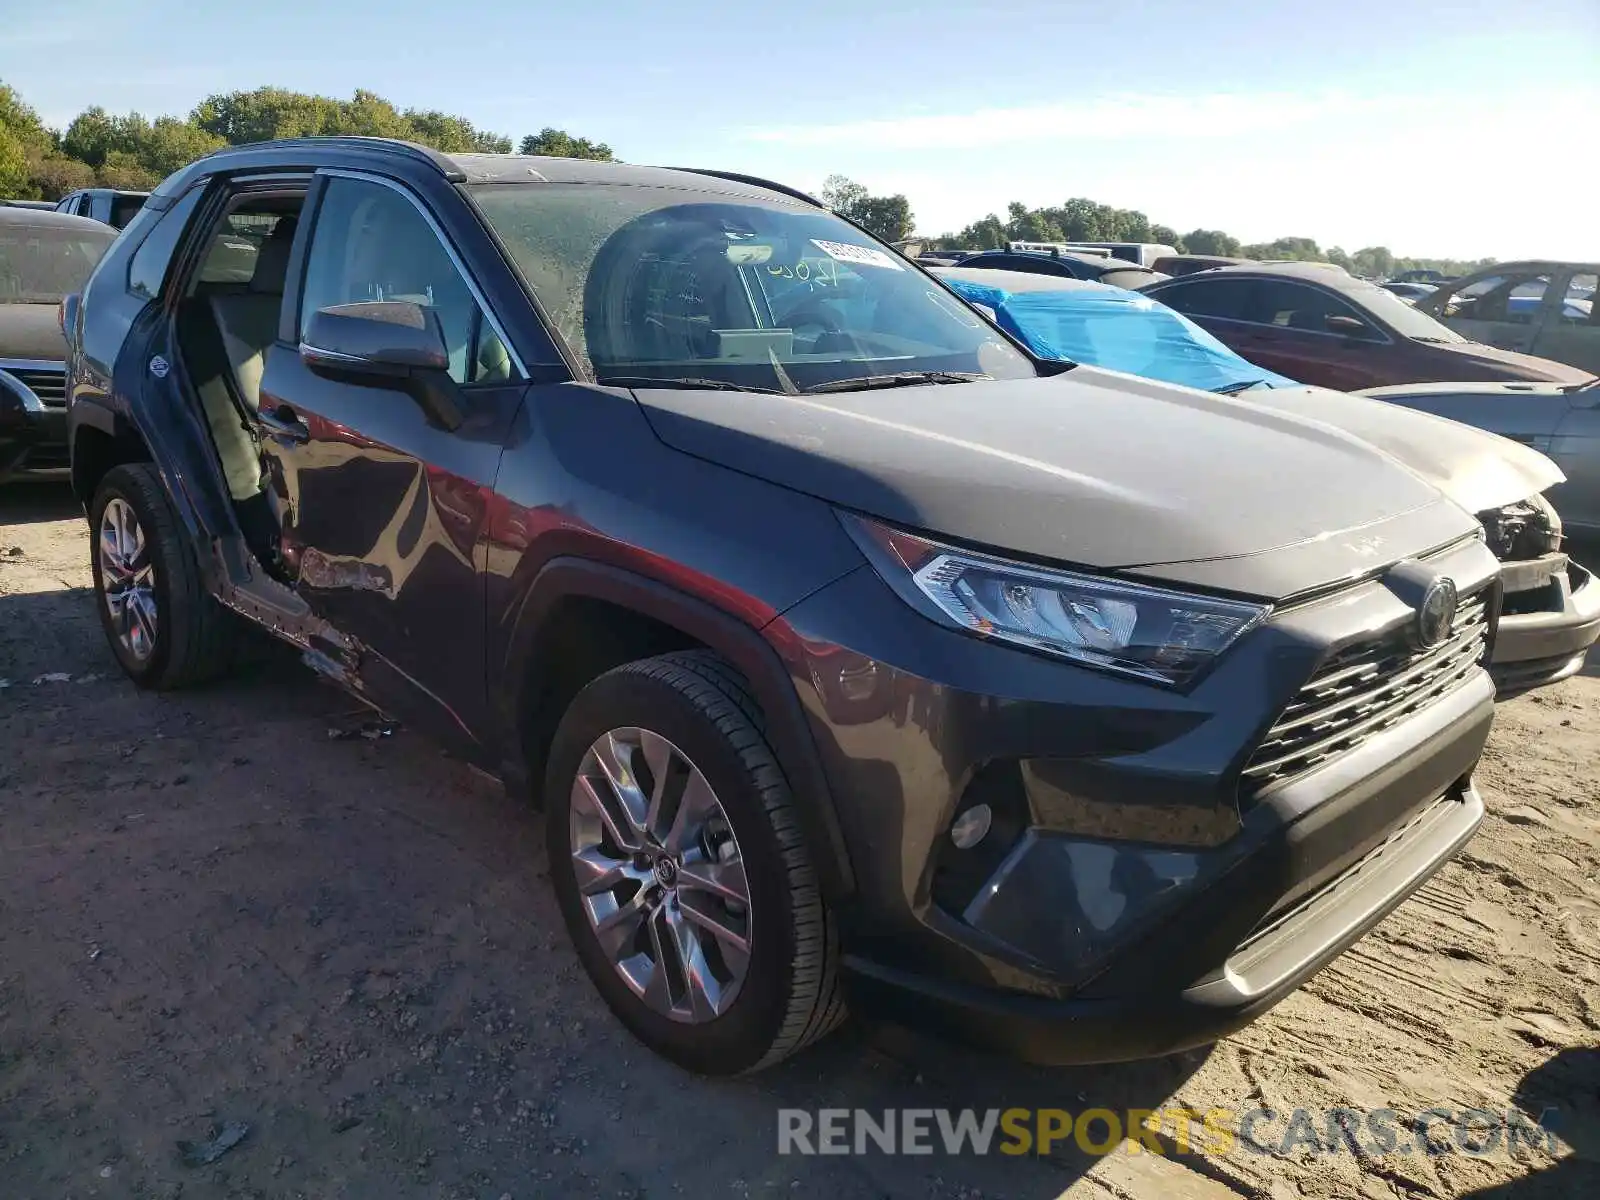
1089, 468
1515, 365
31, 331
1476, 469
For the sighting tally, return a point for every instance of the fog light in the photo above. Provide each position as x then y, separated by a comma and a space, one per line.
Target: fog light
971, 827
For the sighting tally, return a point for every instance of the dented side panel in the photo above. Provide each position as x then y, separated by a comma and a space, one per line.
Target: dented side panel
381, 514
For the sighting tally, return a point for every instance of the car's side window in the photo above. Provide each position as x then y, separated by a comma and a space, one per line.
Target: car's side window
371, 243
1292, 305
1225, 298
1578, 307
1514, 299
148, 266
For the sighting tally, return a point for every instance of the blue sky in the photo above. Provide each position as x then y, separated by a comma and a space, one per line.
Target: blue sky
1439, 127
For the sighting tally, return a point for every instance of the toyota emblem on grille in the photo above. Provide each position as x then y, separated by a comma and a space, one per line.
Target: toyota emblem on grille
1437, 612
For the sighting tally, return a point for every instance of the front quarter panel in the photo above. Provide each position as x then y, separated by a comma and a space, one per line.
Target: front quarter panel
584, 476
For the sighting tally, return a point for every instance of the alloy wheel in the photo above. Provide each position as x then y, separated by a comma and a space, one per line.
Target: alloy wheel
660, 875
128, 579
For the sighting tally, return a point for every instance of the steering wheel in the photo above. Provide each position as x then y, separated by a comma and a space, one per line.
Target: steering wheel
812, 314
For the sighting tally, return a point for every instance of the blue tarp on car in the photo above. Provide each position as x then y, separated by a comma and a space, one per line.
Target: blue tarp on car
1110, 327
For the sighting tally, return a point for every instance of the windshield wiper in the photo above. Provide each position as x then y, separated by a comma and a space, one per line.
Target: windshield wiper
862, 383
1233, 389
687, 381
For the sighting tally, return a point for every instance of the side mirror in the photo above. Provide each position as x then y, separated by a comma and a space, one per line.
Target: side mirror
389, 344
1348, 326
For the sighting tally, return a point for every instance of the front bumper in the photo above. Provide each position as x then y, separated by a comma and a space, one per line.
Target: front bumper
1266, 965
1141, 894
1552, 618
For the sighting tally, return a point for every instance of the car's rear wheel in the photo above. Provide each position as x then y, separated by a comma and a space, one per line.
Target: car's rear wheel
681, 872
165, 629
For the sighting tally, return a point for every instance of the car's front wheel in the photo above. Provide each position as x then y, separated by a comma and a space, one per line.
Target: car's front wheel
165, 629
681, 871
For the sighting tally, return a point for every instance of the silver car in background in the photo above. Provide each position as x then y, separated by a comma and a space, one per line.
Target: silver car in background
1552, 605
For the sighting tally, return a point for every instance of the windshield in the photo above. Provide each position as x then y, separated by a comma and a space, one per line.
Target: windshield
1401, 317
663, 283
40, 264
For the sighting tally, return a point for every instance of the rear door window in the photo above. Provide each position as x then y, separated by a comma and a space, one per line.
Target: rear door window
1227, 299
1578, 307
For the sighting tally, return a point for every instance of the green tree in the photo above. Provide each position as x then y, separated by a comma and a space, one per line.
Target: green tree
887, 217
367, 114
132, 151
985, 234
1374, 261
14, 174
1292, 249
172, 143
841, 193
454, 135
21, 121
23, 139
558, 143
1211, 241
1168, 236
155, 148
1031, 225
93, 134
265, 114
123, 170
54, 175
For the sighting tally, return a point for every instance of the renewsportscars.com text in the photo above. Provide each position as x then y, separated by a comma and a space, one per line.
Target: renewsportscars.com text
1214, 1131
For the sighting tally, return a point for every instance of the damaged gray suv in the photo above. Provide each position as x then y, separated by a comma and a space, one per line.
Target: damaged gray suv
859, 659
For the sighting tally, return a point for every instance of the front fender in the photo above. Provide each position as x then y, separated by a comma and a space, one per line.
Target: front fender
741, 644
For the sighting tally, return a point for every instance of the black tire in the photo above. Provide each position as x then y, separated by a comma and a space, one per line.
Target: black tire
196, 638
790, 996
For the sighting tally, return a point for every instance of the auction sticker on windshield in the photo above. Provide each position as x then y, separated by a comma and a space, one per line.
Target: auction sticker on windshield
861, 256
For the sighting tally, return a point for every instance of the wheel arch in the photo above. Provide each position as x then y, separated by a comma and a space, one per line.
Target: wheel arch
545, 665
100, 443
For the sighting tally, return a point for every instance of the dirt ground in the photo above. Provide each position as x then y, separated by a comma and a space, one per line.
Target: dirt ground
213, 912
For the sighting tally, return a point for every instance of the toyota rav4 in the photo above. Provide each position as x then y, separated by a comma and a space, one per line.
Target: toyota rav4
857, 655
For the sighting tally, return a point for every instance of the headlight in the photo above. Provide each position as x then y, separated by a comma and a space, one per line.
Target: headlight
1166, 637
1527, 529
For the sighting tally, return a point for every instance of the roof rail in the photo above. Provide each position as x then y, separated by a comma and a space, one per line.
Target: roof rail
434, 158
754, 181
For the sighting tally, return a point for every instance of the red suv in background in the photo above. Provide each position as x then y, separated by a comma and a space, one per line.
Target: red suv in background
1330, 329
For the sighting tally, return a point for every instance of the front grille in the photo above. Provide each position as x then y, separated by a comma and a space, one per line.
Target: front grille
1363, 690
47, 383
